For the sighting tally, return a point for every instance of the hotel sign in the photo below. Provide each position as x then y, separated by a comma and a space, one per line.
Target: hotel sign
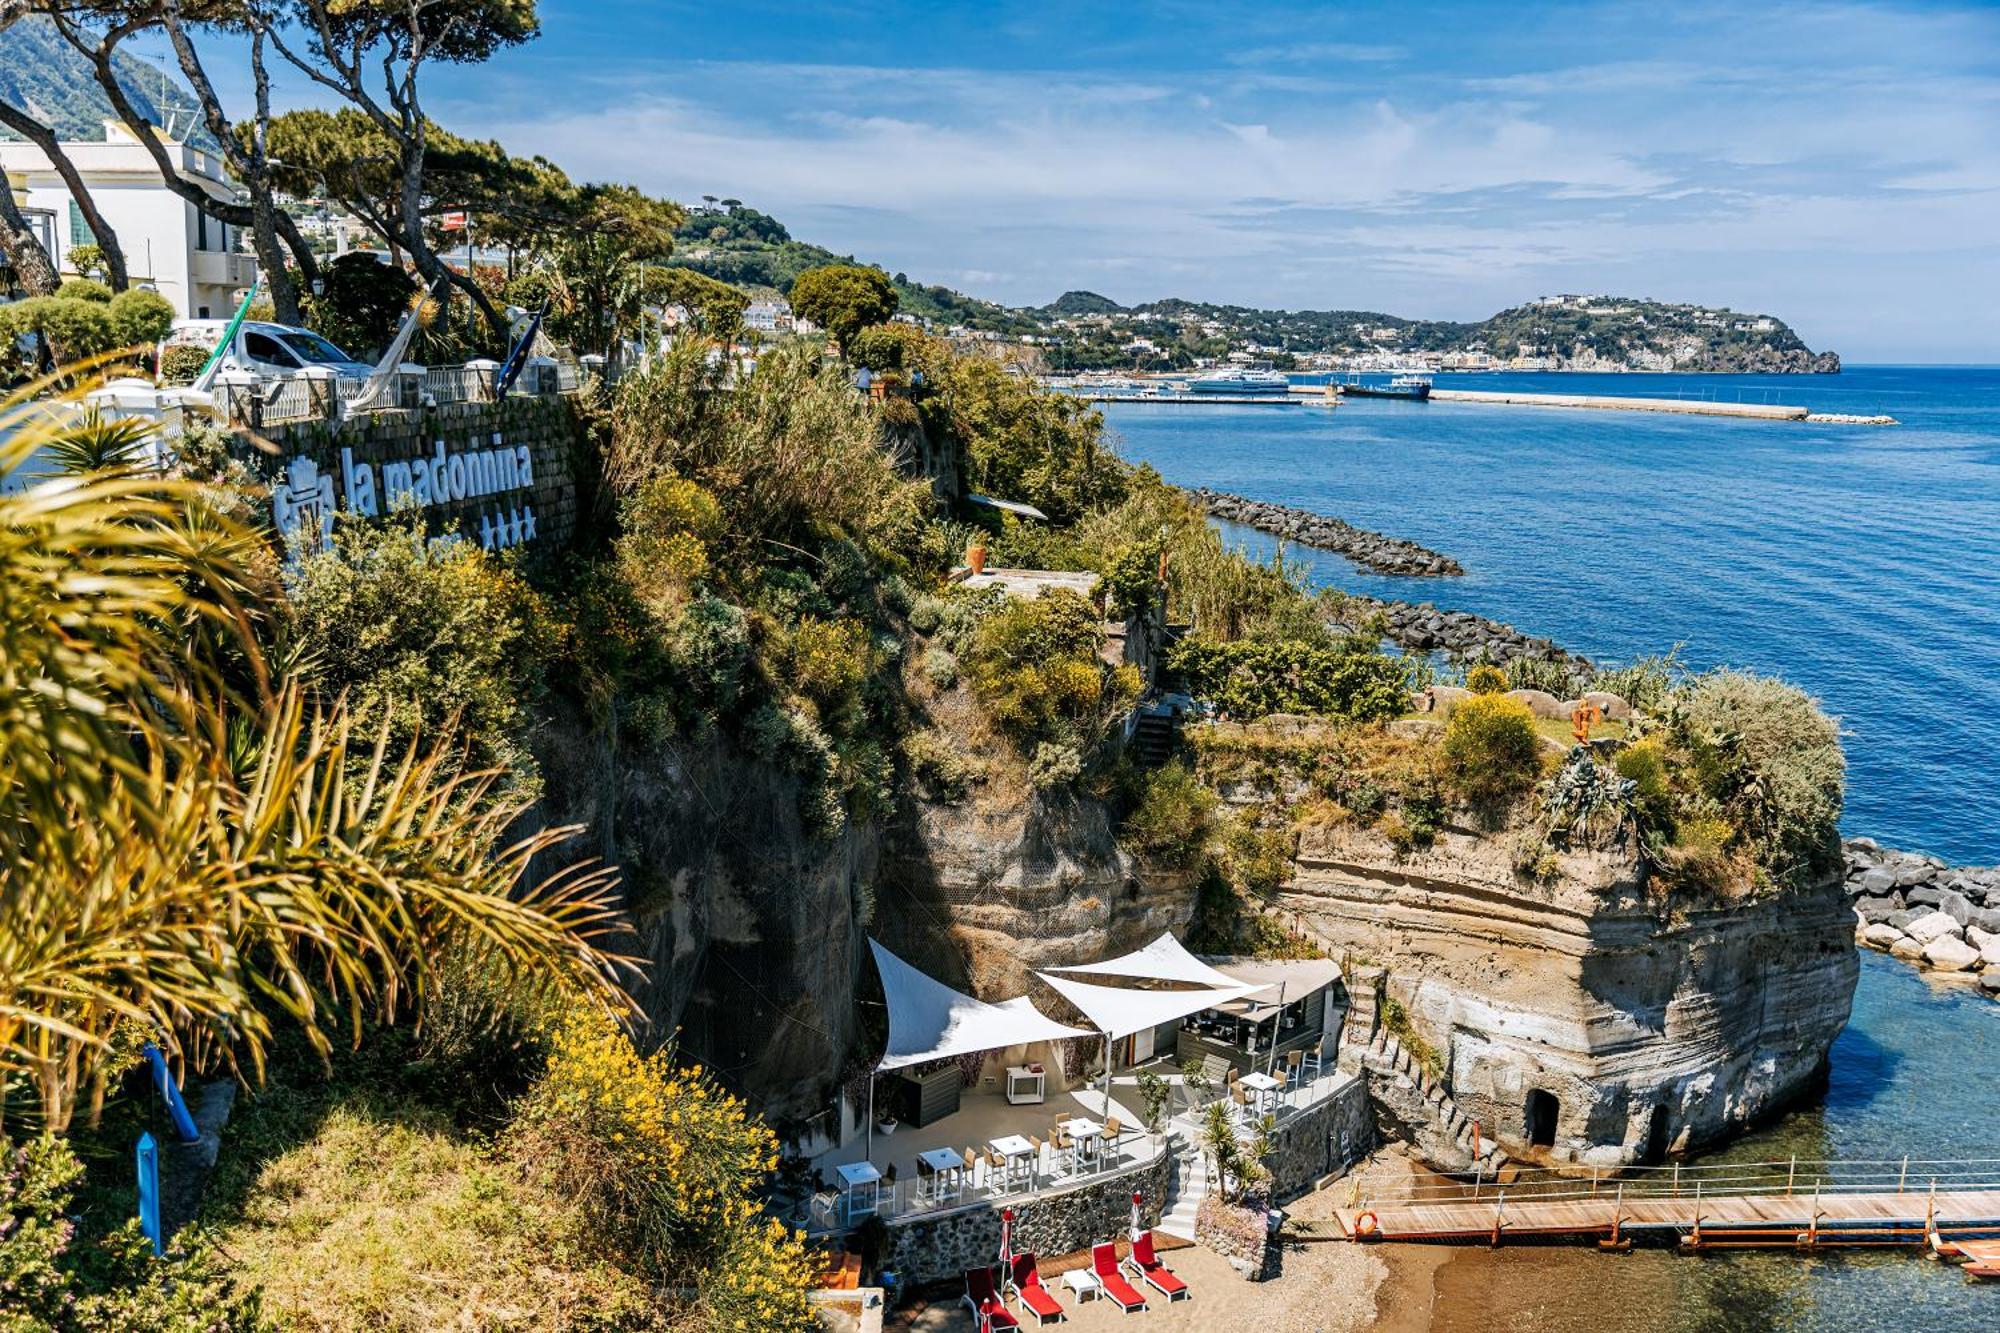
492, 489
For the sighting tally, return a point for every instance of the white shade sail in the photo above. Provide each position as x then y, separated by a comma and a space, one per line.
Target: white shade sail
1165, 959
1119, 1011
928, 1020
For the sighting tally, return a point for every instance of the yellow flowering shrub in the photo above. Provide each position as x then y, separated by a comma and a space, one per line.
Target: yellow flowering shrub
667, 1164
669, 527
760, 1281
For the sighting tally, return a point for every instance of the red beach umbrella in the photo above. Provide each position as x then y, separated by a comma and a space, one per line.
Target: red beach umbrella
1136, 1228
1006, 1241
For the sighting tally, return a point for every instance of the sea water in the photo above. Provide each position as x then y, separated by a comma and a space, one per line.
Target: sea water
1861, 562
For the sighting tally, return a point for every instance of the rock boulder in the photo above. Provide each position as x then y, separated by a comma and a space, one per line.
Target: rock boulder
1932, 926
1880, 935
1948, 953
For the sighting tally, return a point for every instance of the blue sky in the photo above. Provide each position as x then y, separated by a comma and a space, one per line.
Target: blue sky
1835, 164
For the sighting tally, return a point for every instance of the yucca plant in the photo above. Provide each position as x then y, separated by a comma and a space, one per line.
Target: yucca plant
191, 852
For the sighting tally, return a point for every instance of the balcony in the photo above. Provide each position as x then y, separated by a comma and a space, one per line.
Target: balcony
212, 268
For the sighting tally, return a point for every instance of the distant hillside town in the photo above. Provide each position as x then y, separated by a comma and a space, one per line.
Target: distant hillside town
1080, 330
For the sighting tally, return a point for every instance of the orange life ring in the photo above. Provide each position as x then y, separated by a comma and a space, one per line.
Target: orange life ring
1366, 1224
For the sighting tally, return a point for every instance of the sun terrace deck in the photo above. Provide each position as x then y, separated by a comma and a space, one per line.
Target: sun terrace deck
985, 1117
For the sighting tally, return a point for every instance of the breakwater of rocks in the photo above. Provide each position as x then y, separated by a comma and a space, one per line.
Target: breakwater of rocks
1371, 550
1915, 907
1419, 627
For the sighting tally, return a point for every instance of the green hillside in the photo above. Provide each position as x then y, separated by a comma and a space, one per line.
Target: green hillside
45, 76
1086, 330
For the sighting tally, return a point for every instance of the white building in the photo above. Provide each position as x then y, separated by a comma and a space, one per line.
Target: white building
169, 244
768, 316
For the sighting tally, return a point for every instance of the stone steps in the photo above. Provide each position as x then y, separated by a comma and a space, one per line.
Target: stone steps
1188, 1188
1386, 1057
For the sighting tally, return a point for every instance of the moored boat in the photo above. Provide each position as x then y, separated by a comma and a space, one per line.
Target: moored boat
1415, 388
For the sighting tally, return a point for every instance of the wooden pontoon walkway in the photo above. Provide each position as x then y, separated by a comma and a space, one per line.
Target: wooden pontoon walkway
1892, 1218
1982, 1257
1952, 1207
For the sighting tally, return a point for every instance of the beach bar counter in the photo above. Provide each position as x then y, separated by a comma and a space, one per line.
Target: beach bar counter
1300, 1005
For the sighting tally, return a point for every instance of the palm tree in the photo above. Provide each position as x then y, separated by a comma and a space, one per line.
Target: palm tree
190, 852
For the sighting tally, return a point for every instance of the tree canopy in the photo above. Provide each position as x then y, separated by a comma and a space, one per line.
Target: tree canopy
843, 299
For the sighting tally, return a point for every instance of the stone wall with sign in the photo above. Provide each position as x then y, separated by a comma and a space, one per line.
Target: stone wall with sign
502, 473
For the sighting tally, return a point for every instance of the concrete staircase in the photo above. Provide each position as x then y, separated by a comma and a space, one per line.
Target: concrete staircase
1441, 1130
1186, 1190
1155, 734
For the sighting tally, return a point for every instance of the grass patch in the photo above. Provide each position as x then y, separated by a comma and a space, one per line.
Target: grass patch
357, 1210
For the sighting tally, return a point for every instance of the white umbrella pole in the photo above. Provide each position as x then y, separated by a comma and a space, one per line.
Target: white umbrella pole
1277, 1032
871, 1115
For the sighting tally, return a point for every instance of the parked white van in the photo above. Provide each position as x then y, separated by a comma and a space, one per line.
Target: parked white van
267, 349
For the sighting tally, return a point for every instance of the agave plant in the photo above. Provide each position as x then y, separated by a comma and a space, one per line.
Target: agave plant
194, 852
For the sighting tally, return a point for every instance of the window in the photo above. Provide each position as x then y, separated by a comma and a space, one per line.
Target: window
263, 347
312, 347
200, 229
79, 230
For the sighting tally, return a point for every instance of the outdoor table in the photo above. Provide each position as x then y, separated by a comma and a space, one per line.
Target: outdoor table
950, 1168
1085, 1133
1263, 1085
1084, 1283
1014, 1148
864, 1187
1025, 1086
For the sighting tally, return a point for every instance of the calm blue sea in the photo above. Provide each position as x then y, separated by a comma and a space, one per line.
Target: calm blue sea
1861, 562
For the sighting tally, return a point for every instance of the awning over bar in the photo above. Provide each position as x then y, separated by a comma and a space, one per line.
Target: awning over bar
1118, 1011
928, 1020
1165, 959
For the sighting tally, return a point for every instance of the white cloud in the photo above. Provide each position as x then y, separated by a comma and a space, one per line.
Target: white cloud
1427, 191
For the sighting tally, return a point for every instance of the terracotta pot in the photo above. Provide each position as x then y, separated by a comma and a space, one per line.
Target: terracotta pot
975, 559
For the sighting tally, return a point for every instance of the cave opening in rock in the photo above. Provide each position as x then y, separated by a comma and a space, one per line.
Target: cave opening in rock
1655, 1151
1543, 1108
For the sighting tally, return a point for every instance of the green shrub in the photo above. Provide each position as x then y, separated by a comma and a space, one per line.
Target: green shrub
83, 289
1174, 819
74, 329
140, 318
422, 633
88, 260
1034, 665
180, 363
939, 766
1491, 748
940, 668
111, 1284
708, 644
1249, 679
1257, 860
1054, 765
1023, 442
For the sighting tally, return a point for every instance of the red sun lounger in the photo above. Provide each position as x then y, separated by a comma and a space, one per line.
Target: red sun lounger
987, 1311
1035, 1298
1147, 1266
1104, 1263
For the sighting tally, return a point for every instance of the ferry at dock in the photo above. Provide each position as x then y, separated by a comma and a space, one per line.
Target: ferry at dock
1413, 388
1240, 381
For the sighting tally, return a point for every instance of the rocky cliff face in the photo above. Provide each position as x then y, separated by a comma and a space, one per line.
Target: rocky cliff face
982, 893
754, 932
750, 928
1580, 1020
